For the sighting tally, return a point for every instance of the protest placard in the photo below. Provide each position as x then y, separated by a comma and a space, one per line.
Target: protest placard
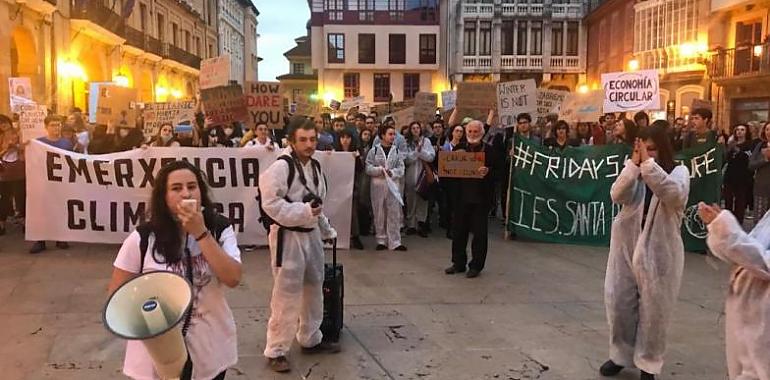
306, 106
349, 103
476, 99
448, 100
335, 105
31, 121
631, 91
460, 164
549, 101
425, 107
265, 104
514, 98
364, 108
116, 106
578, 107
403, 117
20, 90
156, 114
215, 72
224, 104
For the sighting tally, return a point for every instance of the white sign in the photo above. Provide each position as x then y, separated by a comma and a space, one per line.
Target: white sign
514, 98
215, 72
20, 90
632, 91
352, 102
32, 121
156, 114
99, 197
549, 101
448, 100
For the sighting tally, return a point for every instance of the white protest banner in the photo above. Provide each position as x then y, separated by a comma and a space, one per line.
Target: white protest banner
265, 104
32, 121
99, 198
425, 107
549, 101
20, 90
579, 107
448, 100
349, 103
514, 98
215, 72
631, 91
156, 114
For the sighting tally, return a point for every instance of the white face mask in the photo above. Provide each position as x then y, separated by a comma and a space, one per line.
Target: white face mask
228, 131
165, 138
123, 132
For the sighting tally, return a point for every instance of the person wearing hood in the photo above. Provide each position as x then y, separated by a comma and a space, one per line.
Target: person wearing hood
646, 258
385, 165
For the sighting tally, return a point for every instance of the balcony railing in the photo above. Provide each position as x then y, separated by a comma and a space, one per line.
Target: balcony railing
99, 14
477, 62
181, 56
154, 46
135, 38
567, 10
522, 10
565, 63
741, 62
478, 10
521, 62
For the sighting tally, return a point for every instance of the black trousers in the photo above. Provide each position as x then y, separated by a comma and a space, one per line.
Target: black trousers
12, 192
469, 219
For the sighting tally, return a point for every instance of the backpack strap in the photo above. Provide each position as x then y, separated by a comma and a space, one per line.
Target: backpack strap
144, 237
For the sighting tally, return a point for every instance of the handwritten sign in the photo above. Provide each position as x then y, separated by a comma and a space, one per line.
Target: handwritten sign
32, 121
116, 105
20, 89
215, 72
425, 106
224, 104
403, 117
448, 100
157, 114
550, 101
306, 106
476, 99
265, 104
514, 98
632, 91
579, 107
460, 164
349, 103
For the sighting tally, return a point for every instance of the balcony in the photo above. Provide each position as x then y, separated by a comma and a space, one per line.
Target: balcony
181, 56
99, 22
521, 62
477, 63
522, 10
565, 64
478, 10
571, 11
153, 46
746, 62
135, 38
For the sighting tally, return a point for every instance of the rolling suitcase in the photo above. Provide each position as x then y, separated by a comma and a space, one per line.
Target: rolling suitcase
334, 293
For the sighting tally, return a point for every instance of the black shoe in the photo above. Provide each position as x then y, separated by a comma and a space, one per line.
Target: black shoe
473, 273
453, 270
323, 347
38, 247
400, 248
355, 242
609, 368
422, 232
647, 376
279, 364
62, 245
411, 231
381, 247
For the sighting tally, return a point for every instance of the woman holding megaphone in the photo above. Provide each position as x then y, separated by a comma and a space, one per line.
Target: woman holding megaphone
186, 236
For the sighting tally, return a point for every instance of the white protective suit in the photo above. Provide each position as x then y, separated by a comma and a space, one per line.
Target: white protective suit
644, 269
385, 206
747, 306
297, 284
416, 206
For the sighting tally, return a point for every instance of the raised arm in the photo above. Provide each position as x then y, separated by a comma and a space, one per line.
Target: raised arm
624, 188
672, 189
728, 241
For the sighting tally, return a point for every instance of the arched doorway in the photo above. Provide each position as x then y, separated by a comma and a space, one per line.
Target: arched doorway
23, 53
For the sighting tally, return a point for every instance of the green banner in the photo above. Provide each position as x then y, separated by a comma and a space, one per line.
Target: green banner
564, 196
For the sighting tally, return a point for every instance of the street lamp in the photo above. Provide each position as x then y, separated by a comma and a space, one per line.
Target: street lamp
583, 88
633, 65
758, 50
121, 80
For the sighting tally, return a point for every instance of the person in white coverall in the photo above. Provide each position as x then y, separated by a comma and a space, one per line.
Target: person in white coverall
385, 164
419, 150
296, 248
646, 257
747, 306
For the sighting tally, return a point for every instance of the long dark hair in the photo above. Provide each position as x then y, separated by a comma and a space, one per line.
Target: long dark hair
410, 137
353, 140
658, 133
631, 131
168, 239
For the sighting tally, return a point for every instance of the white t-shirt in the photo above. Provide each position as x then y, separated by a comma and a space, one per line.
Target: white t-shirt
255, 143
211, 338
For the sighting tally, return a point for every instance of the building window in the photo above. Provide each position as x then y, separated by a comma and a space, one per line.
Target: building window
521, 38
572, 38
298, 68
211, 51
352, 84
366, 10
336, 48
381, 87
469, 38
427, 48
397, 48
175, 34
198, 46
334, 9
485, 38
187, 40
537, 38
366, 48
143, 17
506, 35
411, 85
428, 9
295, 93
161, 28
557, 38
396, 10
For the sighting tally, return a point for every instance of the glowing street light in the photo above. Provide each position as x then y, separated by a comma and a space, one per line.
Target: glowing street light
121, 80
328, 97
633, 65
176, 93
758, 50
72, 70
583, 88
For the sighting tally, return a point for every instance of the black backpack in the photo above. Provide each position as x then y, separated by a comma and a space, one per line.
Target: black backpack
265, 219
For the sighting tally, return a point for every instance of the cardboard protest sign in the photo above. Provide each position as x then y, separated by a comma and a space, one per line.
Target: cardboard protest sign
579, 107
116, 105
224, 104
364, 108
549, 101
425, 106
476, 99
157, 114
460, 164
215, 72
631, 91
403, 117
349, 103
335, 105
20, 90
514, 98
448, 100
306, 106
265, 104
32, 121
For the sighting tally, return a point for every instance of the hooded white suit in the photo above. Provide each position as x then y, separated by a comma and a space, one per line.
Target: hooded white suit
296, 306
416, 207
747, 307
385, 205
644, 269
